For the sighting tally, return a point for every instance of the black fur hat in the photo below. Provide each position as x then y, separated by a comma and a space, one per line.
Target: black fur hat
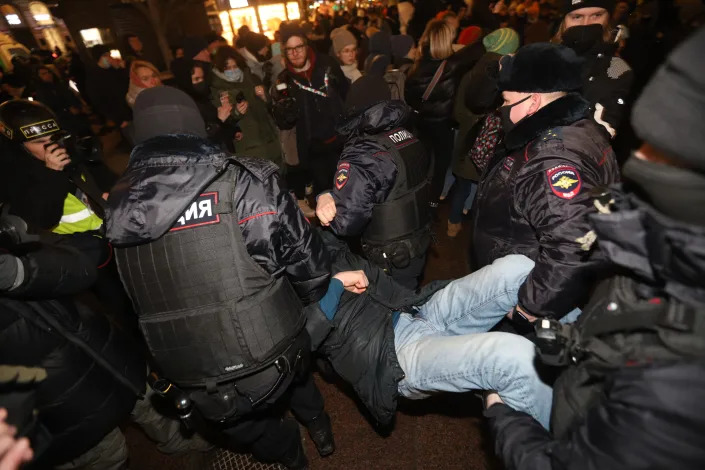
541, 68
572, 5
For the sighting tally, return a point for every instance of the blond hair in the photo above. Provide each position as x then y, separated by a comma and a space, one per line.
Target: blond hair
438, 36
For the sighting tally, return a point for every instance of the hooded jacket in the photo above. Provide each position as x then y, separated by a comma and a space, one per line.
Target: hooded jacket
534, 199
371, 172
166, 173
439, 106
648, 410
359, 341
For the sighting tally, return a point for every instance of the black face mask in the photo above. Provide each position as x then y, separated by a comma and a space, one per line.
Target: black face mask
675, 192
201, 89
504, 111
583, 38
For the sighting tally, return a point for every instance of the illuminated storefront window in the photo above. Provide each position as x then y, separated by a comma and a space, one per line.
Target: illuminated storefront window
41, 14
271, 17
12, 16
244, 16
227, 32
244, 12
293, 9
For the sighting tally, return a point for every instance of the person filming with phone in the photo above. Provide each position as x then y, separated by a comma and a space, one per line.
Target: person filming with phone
233, 85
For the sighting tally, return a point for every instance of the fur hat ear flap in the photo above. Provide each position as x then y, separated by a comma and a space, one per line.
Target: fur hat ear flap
541, 68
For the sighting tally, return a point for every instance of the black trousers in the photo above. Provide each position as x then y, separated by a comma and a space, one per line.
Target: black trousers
438, 138
267, 434
318, 169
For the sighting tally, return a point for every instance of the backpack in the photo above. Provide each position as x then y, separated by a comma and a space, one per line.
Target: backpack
396, 80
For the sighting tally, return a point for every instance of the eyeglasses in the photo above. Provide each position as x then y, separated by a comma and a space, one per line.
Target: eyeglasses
295, 50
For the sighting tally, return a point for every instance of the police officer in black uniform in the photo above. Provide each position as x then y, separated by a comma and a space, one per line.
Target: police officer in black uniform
218, 260
632, 392
534, 196
382, 183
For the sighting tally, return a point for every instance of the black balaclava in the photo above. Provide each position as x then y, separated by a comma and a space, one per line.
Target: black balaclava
582, 39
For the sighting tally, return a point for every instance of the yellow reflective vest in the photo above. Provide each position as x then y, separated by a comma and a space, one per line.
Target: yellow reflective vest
77, 217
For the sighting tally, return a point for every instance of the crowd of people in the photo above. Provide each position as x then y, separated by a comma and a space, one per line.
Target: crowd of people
280, 203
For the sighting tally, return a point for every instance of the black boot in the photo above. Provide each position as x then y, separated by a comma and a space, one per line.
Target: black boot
295, 458
322, 434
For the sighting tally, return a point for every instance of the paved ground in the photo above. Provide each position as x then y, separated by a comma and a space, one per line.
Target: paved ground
443, 432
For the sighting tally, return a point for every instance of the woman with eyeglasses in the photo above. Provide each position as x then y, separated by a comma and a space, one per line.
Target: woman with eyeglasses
345, 49
232, 83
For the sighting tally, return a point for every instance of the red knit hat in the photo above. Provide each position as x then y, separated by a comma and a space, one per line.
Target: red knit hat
469, 35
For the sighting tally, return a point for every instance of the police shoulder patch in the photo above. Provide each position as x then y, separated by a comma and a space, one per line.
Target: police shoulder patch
342, 176
6, 131
565, 181
200, 212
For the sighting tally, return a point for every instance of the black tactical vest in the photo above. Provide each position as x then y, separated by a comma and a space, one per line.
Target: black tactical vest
621, 328
405, 213
209, 313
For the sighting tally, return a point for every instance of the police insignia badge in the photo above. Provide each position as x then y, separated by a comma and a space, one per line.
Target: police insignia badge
564, 181
342, 175
5, 130
199, 213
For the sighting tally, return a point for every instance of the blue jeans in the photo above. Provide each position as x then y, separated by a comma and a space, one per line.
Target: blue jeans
445, 347
462, 199
468, 191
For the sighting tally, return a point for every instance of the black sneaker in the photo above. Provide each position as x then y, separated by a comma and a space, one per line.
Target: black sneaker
322, 434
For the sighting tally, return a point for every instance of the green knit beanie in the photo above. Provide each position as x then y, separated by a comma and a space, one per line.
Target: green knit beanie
502, 41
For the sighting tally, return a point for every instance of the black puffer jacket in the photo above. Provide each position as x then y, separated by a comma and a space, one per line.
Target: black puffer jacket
167, 173
607, 86
534, 200
439, 106
79, 402
359, 342
371, 171
646, 409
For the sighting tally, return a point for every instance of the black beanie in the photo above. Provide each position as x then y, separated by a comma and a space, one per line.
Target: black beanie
670, 112
541, 68
366, 91
253, 42
165, 110
572, 5
289, 30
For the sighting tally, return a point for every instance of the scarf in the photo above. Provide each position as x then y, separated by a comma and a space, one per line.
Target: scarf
486, 141
351, 71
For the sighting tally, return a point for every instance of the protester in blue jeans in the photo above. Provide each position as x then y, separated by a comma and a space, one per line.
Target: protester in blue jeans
386, 340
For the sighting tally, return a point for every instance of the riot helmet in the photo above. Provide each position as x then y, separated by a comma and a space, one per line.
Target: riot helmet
23, 121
